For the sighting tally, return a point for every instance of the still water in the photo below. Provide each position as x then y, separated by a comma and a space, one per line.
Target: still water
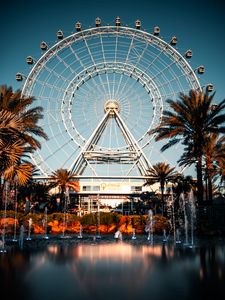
107, 269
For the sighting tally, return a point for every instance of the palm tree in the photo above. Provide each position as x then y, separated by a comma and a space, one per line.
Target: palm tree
64, 179
20, 121
162, 173
18, 125
189, 122
221, 170
213, 155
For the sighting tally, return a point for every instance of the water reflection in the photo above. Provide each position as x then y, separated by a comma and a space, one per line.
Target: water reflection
114, 271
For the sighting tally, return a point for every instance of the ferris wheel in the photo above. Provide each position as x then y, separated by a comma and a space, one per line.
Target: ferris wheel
103, 89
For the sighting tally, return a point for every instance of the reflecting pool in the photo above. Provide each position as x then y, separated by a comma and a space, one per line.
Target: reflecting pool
109, 269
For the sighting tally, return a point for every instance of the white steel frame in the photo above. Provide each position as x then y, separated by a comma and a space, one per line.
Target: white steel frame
90, 153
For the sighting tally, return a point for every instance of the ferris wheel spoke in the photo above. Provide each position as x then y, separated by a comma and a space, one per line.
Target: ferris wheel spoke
155, 59
175, 79
94, 63
135, 65
70, 157
58, 146
171, 81
51, 86
57, 150
55, 136
104, 60
51, 72
67, 66
138, 60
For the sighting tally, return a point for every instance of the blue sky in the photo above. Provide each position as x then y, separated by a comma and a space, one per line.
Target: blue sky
198, 25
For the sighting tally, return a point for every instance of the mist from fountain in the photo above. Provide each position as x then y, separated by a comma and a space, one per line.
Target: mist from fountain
21, 237
149, 226
98, 235
178, 240
15, 224
65, 216
5, 199
133, 234
118, 235
173, 217
15, 215
45, 224
186, 223
165, 237
192, 205
189, 213
29, 230
80, 236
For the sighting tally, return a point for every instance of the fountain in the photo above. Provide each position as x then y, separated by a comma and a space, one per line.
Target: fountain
149, 226
173, 217
65, 217
45, 224
133, 234
184, 209
165, 237
118, 235
5, 198
178, 240
2, 242
21, 237
191, 201
15, 215
29, 230
98, 236
80, 236
188, 208
15, 224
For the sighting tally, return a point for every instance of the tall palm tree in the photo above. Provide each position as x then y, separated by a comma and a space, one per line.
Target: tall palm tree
214, 152
63, 179
189, 121
213, 155
161, 173
221, 170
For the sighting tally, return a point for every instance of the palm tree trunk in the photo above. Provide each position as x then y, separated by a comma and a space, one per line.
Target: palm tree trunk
206, 189
210, 193
199, 180
62, 196
162, 199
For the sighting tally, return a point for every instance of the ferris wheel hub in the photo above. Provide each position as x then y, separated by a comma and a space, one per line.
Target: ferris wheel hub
112, 106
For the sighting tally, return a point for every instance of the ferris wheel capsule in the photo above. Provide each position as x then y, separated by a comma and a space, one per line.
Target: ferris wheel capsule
97, 22
118, 21
156, 30
201, 70
138, 24
60, 35
188, 54
173, 41
78, 26
19, 77
43, 46
29, 60
209, 87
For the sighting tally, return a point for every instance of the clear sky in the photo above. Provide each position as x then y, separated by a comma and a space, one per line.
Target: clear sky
198, 24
